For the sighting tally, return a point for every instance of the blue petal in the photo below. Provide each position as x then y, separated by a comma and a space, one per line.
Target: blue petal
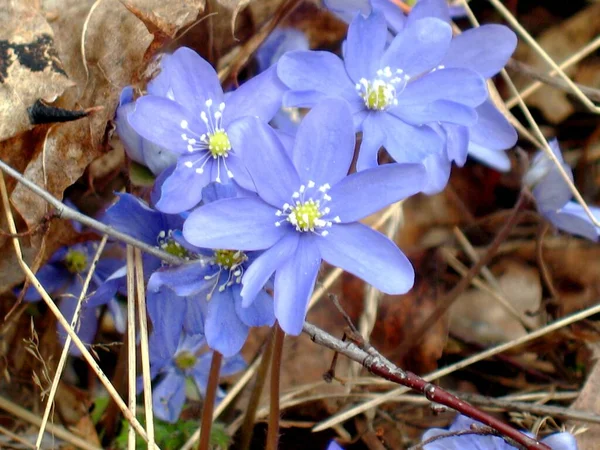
182, 190
160, 121
168, 397
260, 270
218, 191
260, 97
573, 219
195, 314
394, 16
192, 79
496, 159
373, 137
53, 277
561, 441
484, 49
166, 311
369, 255
347, 9
357, 196
462, 86
429, 8
87, 324
186, 279
238, 223
313, 71
279, 42
273, 174
324, 145
132, 216
364, 46
492, 130
419, 47
225, 332
294, 284
437, 111
408, 143
457, 142
303, 99
438, 172
260, 313
233, 365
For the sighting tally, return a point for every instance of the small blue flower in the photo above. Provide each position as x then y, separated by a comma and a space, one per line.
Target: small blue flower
63, 276
334, 446
202, 296
175, 364
194, 121
281, 41
553, 196
396, 91
307, 209
557, 441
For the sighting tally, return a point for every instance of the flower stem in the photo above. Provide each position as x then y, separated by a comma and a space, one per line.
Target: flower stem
209, 401
261, 378
273, 430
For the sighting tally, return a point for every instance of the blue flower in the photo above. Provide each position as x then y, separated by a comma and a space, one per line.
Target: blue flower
557, 441
552, 195
396, 91
334, 446
307, 209
173, 365
194, 121
202, 296
63, 276
140, 150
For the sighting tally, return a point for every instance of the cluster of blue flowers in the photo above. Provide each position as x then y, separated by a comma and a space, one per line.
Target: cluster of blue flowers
255, 198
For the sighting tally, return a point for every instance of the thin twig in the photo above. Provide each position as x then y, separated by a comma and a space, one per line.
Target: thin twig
67, 345
254, 401
209, 400
61, 319
527, 70
558, 324
63, 211
378, 365
16, 437
273, 428
143, 326
131, 350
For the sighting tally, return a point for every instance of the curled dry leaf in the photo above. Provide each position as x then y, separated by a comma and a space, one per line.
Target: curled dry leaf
29, 66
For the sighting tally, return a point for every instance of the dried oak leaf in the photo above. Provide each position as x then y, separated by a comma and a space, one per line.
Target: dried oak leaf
29, 66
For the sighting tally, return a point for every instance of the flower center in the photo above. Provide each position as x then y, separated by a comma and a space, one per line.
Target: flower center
381, 93
229, 259
75, 261
212, 145
167, 242
226, 260
308, 209
185, 360
218, 143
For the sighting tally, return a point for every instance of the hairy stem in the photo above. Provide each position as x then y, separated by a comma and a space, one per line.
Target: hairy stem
273, 431
209, 401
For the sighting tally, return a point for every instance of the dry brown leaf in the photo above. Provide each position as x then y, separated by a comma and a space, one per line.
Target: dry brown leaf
165, 17
589, 401
29, 66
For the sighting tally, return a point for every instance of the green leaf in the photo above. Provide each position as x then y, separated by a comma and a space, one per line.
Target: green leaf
140, 175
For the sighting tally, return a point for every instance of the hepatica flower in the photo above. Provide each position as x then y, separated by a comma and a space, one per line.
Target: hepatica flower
63, 276
557, 441
307, 210
194, 121
396, 91
173, 365
553, 196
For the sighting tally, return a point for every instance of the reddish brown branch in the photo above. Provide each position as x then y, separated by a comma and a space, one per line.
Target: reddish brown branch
372, 360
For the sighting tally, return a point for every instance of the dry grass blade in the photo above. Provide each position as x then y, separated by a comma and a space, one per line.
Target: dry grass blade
33, 419
67, 346
131, 355
61, 319
16, 437
143, 325
540, 51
